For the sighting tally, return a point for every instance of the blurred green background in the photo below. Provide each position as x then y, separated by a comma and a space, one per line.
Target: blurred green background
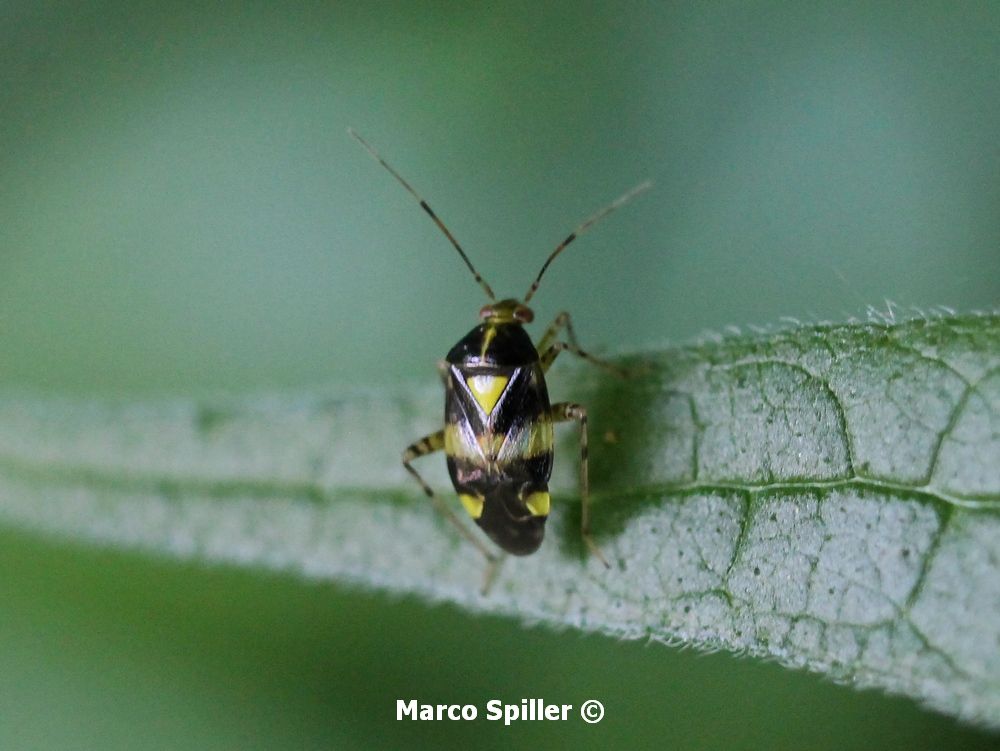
182, 212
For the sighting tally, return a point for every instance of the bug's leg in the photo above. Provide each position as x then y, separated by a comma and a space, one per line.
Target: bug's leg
490, 574
549, 346
428, 445
563, 412
562, 321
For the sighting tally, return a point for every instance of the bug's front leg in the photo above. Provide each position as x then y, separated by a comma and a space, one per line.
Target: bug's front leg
428, 445
549, 346
563, 412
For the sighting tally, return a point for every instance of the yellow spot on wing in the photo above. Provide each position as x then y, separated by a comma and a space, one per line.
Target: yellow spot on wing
461, 443
540, 439
538, 503
450, 440
472, 504
487, 390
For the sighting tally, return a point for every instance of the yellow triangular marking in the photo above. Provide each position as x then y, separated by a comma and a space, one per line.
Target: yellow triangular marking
487, 390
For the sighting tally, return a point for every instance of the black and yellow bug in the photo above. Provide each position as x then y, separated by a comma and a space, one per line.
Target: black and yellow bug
498, 419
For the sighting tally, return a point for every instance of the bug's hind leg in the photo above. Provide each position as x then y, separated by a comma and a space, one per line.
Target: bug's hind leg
490, 574
564, 412
428, 445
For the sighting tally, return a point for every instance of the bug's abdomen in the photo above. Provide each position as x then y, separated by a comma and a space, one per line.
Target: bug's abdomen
498, 442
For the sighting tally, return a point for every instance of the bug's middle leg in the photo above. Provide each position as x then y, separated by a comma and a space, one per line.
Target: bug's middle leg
428, 445
549, 346
563, 412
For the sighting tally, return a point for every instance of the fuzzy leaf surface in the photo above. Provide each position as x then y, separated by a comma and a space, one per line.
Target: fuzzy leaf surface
827, 497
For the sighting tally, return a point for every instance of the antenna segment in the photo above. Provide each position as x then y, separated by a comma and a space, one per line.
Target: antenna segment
425, 207
586, 225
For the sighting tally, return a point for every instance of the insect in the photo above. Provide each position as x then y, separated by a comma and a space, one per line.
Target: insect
498, 437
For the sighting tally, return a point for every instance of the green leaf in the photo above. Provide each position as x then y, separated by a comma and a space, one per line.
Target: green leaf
827, 497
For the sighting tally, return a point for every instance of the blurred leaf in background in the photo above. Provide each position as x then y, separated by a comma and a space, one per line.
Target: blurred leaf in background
181, 211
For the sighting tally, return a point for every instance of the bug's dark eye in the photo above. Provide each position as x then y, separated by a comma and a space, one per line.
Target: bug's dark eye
486, 311
523, 314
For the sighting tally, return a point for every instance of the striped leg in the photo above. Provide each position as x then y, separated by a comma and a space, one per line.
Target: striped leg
550, 347
428, 445
563, 412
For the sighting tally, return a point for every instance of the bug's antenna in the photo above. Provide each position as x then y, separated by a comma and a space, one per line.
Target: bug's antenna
428, 209
583, 228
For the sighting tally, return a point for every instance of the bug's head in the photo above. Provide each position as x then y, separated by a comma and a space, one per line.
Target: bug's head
506, 311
